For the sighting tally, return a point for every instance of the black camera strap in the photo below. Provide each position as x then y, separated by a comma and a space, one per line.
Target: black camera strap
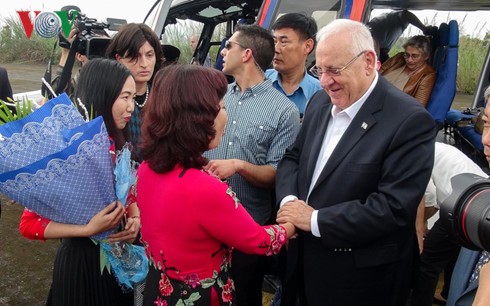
70, 61
47, 75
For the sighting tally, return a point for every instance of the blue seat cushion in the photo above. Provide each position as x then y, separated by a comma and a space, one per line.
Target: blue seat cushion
454, 116
469, 133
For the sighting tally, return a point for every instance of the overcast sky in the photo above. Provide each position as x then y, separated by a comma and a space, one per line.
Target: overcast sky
475, 24
132, 11
135, 12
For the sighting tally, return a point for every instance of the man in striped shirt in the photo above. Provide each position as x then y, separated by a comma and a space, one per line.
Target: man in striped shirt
262, 123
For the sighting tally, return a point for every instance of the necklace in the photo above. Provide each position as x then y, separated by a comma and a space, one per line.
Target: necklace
146, 99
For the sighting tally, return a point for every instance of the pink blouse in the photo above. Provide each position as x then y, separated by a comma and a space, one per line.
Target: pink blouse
190, 220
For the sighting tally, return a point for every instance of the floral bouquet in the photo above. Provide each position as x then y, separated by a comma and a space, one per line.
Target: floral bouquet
55, 164
58, 165
38, 132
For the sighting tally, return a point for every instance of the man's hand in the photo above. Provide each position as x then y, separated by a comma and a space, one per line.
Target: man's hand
296, 212
222, 168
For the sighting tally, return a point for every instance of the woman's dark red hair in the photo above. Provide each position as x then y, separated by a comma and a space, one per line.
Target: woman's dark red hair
178, 121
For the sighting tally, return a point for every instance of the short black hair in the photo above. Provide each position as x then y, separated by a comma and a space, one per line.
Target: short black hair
304, 25
259, 40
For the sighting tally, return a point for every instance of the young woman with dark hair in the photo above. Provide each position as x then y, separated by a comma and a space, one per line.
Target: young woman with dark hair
106, 88
138, 48
191, 219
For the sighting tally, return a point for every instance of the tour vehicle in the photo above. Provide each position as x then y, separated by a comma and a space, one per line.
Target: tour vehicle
212, 13
218, 18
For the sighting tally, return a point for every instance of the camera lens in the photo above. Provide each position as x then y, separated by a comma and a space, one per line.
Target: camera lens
466, 212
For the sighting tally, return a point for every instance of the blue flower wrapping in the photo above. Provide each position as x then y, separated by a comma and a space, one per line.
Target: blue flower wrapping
124, 173
69, 186
29, 139
128, 262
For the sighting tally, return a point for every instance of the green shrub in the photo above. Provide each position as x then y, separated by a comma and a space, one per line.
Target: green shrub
472, 53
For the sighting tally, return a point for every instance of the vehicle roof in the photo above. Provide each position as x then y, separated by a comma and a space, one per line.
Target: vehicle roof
215, 11
441, 5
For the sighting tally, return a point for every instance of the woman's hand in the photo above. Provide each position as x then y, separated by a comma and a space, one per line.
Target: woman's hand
107, 218
291, 230
130, 231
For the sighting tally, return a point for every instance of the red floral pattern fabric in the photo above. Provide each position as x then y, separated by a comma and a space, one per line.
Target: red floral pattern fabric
191, 222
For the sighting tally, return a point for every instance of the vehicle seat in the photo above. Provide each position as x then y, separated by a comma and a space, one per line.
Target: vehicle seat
460, 123
445, 62
439, 43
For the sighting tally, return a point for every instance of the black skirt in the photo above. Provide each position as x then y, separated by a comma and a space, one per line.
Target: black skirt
77, 279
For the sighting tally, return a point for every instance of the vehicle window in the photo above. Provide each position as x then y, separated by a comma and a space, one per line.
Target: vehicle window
180, 35
473, 44
211, 11
210, 20
329, 9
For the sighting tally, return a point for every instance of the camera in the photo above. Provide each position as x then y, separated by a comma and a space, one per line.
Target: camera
92, 36
466, 212
92, 39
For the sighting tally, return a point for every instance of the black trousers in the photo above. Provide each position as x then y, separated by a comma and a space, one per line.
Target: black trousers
440, 251
248, 275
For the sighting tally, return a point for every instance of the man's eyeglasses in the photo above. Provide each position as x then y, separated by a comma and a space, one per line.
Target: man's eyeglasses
414, 56
333, 72
229, 42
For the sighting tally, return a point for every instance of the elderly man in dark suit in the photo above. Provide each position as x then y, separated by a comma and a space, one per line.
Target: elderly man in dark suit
353, 179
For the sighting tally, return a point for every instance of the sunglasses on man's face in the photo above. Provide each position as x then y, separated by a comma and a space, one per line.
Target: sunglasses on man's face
229, 43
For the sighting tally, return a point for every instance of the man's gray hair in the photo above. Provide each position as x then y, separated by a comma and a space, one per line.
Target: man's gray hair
359, 33
487, 93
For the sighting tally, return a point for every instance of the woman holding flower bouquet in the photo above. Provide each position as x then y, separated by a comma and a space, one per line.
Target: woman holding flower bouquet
106, 89
191, 219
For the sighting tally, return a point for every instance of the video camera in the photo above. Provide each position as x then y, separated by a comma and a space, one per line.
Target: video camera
466, 212
92, 38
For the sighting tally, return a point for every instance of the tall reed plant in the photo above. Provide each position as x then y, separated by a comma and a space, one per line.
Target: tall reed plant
472, 52
16, 47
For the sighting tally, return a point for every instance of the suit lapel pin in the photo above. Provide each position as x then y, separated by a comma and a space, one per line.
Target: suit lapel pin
364, 125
